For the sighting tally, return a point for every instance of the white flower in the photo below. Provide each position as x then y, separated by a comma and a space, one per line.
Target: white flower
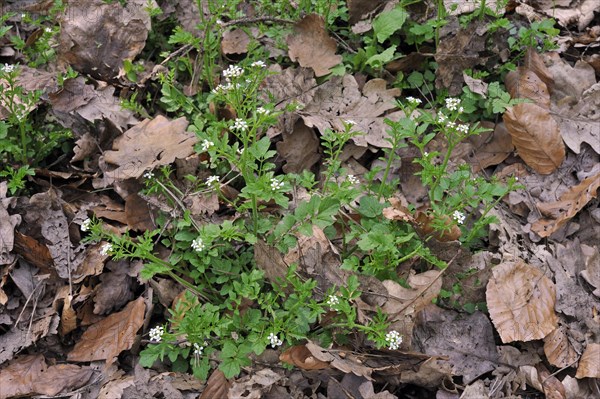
198, 244
441, 118
212, 180
459, 217
463, 128
276, 184
461, 110
349, 122
198, 348
149, 175
85, 226
275, 341
156, 333
452, 103
425, 154
240, 151
352, 180
233, 71
48, 30
222, 89
206, 144
394, 339
262, 111
219, 22
7, 68
259, 64
333, 300
240, 124
451, 125
516, 178
23, 15
413, 101
106, 248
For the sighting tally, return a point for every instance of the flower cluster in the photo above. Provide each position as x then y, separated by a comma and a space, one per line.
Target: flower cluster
206, 144
156, 333
349, 122
85, 226
352, 180
233, 71
7, 68
149, 175
463, 128
212, 180
452, 104
332, 301
413, 101
198, 244
276, 184
258, 64
262, 111
459, 217
393, 339
240, 124
275, 341
106, 248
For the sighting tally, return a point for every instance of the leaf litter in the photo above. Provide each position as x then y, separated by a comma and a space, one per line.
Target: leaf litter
60, 297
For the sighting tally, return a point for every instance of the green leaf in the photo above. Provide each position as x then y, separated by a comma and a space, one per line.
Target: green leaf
230, 367
370, 207
387, 23
378, 60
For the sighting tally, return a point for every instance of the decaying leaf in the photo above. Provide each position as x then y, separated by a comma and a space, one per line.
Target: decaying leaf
217, 386
110, 336
147, 145
235, 41
300, 149
493, 152
311, 46
254, 386
539, 378
408, 301
7, 227
301, 357
558, 213
340, 99
589, 363
29, 375
521, 300
96, 36
536, 136
346, 364
558, 349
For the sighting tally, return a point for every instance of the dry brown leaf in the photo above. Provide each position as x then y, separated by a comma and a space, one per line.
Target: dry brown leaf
357, 9
524, 83
534, 62
138, 213
494, 151
299, 148
149, 144
217, 386
591, 274
29, 375
521, 300
340, 99
397, 211
235, 41
68, 317
96, 37
571, 202
253, 386
558, 349
539, 378
536, 136
110, 336
589, 363
347, 364
301, 357
7, 227
409, 301
311, 46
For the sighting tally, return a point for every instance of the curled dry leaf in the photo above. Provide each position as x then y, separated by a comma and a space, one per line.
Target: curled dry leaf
311, 46
558, 349
521, 300
217, 386
558, 213
110, 336
541, 379
589, 364
425, 287
301, 357
536, 136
